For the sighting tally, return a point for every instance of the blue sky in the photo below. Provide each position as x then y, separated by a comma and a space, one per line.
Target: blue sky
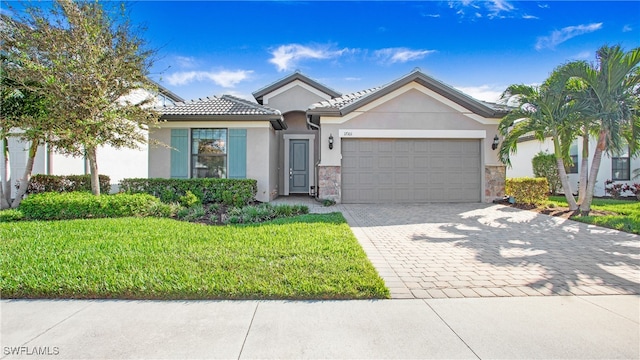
213, 48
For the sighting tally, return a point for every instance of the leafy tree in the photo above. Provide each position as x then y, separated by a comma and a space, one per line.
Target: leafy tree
611, 98
89, 62
23, 116
544, 165
542, 111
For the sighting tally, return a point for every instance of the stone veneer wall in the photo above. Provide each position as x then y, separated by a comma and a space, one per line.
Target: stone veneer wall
495, 178
329, 183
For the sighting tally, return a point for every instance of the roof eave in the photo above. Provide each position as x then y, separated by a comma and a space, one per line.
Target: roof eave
193, 117
325, 112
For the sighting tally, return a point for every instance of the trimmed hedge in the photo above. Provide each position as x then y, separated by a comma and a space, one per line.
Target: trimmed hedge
236, 192
530, 191
66, 183
82, 205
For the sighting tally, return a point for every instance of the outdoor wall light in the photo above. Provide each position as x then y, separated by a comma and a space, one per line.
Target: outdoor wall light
496, 141
331, 141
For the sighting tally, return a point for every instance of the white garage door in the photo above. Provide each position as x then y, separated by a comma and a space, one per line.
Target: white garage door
410, 170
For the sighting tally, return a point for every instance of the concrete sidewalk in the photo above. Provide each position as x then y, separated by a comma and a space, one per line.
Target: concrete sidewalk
521, 327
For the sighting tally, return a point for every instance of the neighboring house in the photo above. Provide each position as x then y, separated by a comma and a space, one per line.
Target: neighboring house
413, 140
116, 163
617, 168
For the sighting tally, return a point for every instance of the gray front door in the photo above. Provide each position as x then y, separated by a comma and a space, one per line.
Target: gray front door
299, 166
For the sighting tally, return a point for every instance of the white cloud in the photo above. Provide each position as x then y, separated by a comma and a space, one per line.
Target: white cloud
585, 55
285, 57
627, 28
224, 78
489, 93
402, 55
490, 8
559, 36
529, 17
185, 62
431, 15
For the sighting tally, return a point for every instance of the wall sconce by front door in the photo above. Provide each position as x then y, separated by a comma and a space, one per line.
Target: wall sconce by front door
331, 141
496, 141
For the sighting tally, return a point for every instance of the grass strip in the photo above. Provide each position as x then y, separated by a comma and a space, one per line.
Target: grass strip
625, 213
304, 257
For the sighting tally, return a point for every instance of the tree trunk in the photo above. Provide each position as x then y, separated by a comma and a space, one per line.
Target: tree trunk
585, 206
93, 166
566, 186
584, 168
6, 176
26, 178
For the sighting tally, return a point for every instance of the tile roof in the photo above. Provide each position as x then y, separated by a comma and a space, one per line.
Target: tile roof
343, 101
223, 105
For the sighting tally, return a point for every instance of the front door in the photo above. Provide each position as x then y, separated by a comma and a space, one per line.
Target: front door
299, 166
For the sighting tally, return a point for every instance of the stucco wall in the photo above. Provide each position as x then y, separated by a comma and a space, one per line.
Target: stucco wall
260, 160
410, 110
160, 156
295, 96
521, 163
274, 169
115, 163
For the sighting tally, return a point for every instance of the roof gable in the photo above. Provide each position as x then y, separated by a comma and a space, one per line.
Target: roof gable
258, 95
345, 104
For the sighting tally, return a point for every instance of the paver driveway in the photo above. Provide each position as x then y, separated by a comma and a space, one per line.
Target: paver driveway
472, 250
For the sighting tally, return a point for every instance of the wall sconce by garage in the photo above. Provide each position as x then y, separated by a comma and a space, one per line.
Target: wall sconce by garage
496, 141
331, 141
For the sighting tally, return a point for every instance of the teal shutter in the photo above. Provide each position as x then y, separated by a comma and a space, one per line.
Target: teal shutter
180, 153
237, 154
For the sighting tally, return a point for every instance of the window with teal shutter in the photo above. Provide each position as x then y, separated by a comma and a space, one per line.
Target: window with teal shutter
237, 153
180, 153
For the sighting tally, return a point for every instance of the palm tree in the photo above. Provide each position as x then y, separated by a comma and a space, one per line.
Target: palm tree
542, 111
611, 101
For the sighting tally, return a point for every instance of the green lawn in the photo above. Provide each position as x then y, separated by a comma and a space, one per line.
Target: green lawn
626, 218
304, 257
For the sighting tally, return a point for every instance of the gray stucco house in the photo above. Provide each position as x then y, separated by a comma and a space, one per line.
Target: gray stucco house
410, 141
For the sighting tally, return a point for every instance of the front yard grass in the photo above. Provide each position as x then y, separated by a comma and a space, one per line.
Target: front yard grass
304, 257
623, 215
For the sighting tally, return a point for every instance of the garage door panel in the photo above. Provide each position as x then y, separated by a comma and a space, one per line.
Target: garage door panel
410, 170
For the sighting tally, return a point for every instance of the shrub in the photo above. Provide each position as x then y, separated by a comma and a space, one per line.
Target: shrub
614, 189
80, 205
11, 215
635, 189
65, 183
545, 166
529, 191
328, 202
263, 212
236, 192
188, 199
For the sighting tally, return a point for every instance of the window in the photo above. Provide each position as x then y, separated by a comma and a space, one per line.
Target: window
573, 153
573, 169
620, 165
209, 153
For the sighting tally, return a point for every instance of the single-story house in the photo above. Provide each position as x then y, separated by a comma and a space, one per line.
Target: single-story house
410, 141
617, 168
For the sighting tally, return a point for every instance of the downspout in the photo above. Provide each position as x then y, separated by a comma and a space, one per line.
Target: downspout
313, 126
